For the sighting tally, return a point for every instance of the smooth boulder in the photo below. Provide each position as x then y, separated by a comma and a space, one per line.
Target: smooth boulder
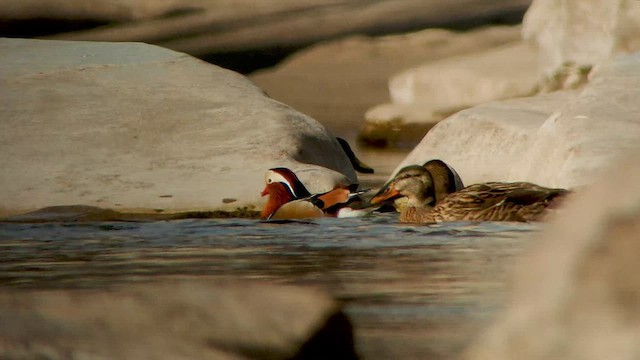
424, 95
576, 293
559, 140
221, 320
581, 32
336, 82
136, 127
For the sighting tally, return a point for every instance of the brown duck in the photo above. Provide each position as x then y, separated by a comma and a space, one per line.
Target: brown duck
430, 202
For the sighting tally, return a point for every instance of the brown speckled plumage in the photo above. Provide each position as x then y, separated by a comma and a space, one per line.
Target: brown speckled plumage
494, 201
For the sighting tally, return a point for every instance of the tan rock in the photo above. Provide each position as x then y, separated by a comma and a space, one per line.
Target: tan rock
486, 142
336, 82
576, 293
557, 140
137, 127
581, 32
179, 320
429, 93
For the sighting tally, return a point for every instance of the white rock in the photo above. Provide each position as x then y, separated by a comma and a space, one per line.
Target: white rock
495, 74
336, 82
137, 127
576, 294
560, 139
584, 32
427, 94
484, 143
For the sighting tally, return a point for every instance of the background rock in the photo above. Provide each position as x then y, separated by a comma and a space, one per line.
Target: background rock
581, 32
485, 142
424, 95
336, 82
558, 140
576, 294
137, 127
258, 32
179, 320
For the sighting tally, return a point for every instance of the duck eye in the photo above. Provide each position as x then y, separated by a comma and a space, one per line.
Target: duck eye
269, 181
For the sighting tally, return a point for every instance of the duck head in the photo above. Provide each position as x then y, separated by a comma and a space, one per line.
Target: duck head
414, 182
445, 179
282, 185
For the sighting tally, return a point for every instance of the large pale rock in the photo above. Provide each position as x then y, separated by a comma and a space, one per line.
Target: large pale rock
560, 140
336, 82
429, 93
484, 143
583, 32
137, 127
576, 294
180, 320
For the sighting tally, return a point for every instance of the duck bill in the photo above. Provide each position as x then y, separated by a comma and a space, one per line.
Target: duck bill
389, 194
265, 192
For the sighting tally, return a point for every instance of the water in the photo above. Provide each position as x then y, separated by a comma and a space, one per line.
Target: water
411, 291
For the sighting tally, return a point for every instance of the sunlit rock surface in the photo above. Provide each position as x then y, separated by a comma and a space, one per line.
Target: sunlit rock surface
583, 32
336, 82
561, 140
174, 320
576, 294
429, 93
131, 126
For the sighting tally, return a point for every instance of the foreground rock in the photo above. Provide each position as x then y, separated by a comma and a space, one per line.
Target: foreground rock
557, 140
581, 32
135, 127
337, 82
181, 320
576, 294
422, 96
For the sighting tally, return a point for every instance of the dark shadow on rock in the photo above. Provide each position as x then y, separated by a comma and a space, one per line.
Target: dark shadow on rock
333, 341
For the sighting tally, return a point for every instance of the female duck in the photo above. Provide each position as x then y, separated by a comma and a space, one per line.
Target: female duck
493, 201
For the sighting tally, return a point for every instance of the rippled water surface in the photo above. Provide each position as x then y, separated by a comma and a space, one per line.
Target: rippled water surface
412, 292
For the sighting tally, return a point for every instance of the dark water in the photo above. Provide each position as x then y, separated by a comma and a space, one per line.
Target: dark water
412, 292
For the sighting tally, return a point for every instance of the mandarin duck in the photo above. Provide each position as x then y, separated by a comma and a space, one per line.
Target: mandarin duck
290, 199
492, 201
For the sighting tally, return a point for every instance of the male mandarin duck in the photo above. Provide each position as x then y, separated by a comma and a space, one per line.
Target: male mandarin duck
290, 199
493, 201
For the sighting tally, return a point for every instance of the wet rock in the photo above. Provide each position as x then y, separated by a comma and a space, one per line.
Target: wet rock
135, 127
576, 293
429, 93
557, 140
179, 320
582, 33
336, 82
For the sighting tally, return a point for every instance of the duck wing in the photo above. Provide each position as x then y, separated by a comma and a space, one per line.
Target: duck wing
297, 209
497, 202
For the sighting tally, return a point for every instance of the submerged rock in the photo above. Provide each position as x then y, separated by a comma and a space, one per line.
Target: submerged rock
558, 140
135, 127
179, 320
576, 294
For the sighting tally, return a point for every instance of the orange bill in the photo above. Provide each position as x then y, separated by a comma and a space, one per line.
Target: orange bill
389, 194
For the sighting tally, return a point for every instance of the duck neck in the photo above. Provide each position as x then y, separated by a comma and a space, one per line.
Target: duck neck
424, 201
278, 196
